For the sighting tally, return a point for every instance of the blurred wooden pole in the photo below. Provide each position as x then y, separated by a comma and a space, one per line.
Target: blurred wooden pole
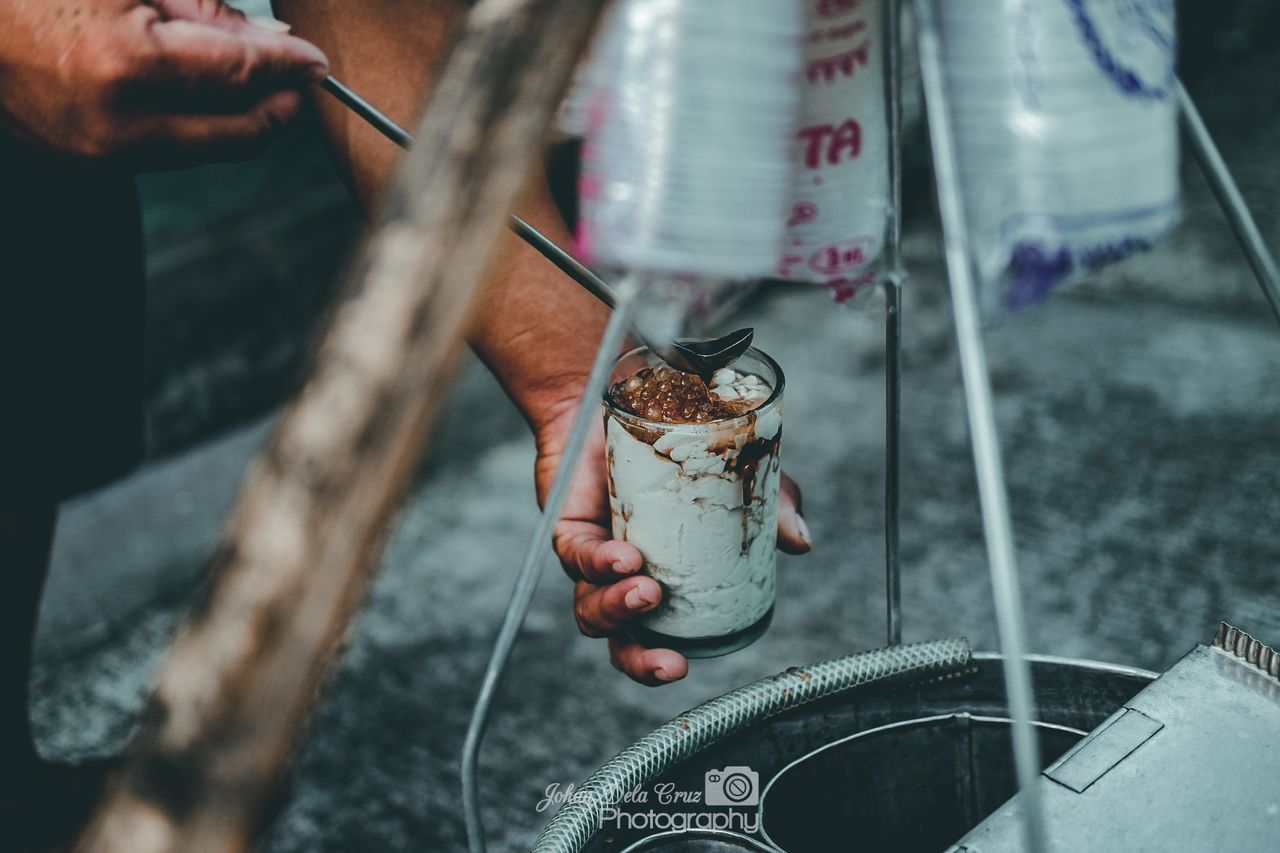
303, 540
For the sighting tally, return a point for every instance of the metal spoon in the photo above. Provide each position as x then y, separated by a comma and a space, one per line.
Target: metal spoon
700, 357
706, 357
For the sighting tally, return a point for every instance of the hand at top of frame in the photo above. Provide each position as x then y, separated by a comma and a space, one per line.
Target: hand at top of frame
154, 84
609, 588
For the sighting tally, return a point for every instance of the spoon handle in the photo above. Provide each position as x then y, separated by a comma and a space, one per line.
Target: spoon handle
367, 111
566, 262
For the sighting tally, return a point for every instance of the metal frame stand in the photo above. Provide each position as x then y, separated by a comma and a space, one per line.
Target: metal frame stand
1230, 201
892, 456
992, 496
893, 278
997, 526
536, 556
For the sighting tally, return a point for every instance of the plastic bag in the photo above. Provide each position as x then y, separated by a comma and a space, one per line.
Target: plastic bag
1066, 138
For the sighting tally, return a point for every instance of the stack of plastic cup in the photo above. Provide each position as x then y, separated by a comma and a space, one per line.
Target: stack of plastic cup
839, 196
686, 165
1066, 135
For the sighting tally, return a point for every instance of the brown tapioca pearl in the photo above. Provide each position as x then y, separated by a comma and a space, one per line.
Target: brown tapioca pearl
663, 394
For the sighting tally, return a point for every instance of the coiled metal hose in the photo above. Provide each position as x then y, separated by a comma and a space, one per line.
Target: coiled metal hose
718, 718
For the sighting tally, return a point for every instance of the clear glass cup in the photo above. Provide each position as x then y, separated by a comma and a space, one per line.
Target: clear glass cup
700, 502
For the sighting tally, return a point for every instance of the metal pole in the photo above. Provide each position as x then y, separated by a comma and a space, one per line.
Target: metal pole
1230, 201
539, 549
892, 455
565, 262
893, 279
996, 524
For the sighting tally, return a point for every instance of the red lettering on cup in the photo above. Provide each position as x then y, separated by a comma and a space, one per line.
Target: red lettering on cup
787, 265
842, 290
833, 8
845, 64
813, 137
801, 212
844, 31
842, 257
841, 32
848, 137
835, 140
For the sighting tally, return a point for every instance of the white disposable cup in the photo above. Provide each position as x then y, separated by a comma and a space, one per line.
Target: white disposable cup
839, 194
685, 168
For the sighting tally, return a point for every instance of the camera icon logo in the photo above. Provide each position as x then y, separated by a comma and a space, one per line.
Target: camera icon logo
732, 786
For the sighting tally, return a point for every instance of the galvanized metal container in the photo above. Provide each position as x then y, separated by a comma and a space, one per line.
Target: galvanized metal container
904, 770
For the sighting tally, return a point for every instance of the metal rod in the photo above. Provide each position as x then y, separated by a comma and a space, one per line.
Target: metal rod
892, 456
1230, 200
893, 82
997, 527
384, 124
367, 111
567, 263
539, 549
893, 279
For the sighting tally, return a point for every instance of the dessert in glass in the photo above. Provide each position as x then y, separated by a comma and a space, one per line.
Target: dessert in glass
693, 484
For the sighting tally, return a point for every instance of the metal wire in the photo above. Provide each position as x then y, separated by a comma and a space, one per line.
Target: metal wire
367, 111
385, 125
718, 718
1230, 201
566, 263
997, 527
539, 549
893, 96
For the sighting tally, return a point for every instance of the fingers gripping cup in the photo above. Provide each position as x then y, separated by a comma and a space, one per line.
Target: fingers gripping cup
693, 484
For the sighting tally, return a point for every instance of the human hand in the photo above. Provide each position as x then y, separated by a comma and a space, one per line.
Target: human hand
609, 590
153, 84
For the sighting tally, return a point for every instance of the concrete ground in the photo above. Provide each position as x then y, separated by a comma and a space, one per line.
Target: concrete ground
1139, 420
1140, 443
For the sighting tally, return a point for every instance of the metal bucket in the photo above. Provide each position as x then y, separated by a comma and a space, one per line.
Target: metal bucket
902, 770
913, 786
